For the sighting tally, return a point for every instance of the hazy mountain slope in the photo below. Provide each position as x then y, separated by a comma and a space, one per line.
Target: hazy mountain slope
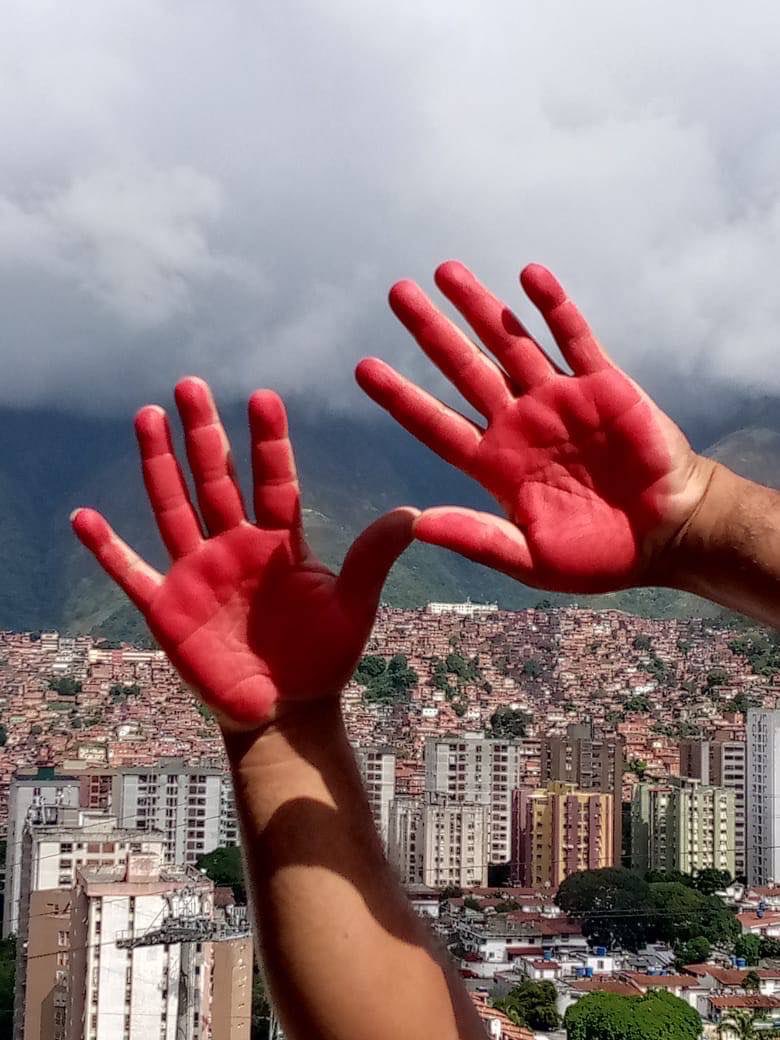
351, 470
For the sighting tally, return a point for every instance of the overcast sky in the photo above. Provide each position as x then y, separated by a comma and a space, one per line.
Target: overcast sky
230, 187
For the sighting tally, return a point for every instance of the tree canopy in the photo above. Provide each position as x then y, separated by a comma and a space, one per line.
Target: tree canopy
225, 869
620, 908
386, 682
531, 1004
508, 723
655, 1016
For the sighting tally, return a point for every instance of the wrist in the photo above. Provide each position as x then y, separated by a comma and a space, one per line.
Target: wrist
720, 537
300, 732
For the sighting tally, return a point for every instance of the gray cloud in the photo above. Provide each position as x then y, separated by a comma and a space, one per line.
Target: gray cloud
230, 188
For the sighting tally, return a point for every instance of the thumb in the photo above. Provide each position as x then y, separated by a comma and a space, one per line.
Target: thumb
481, 537
373, 553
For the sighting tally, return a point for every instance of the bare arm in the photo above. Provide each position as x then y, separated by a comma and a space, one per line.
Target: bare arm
601, 490
345, 955
268, 636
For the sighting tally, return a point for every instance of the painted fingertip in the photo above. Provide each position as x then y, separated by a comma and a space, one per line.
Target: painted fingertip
75, 513
450, 272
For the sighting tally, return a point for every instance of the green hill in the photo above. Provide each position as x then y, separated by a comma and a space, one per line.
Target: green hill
351, 470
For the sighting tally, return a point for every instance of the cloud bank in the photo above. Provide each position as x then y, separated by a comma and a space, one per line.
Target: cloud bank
231, 188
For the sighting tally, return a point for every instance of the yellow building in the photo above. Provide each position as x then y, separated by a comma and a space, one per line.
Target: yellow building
558, 830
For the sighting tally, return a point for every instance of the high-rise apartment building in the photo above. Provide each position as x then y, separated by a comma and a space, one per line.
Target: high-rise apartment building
721, 763
56, 843
762, 793
590, 763
437, 842
681, 824
192, 805
163, 986
557, 831
377, 768
30, 790
474, 769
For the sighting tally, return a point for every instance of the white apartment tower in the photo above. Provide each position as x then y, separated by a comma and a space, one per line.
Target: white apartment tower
437, 842
161, 990
377, 768
762, 796
29, 791
56, 843
473, 769
189, 804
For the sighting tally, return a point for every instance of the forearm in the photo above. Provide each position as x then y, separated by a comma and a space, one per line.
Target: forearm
345, 955
729, 551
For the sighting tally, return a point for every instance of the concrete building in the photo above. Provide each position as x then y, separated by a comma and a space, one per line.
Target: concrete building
470, 768
590, 763
377, 768
42, 973
557, 831
30, 790
161, 990
467, 609
58, 841
189, 804
437, 842
722, 763
681, 824
762, 792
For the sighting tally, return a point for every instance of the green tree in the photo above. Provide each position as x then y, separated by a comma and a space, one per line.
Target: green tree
3, 735
752, 982
7, 979
642, 642
684, 913
532, 668
655, 1016
261, 1007
692, 951
370, 667
531, 1004
611, 903
717, 677
508, 723
386, 682
225, 869
65, 686
748, 948
709, 880
742, 1024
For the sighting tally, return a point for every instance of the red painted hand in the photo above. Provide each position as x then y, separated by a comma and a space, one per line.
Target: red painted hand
595, 479
246, 614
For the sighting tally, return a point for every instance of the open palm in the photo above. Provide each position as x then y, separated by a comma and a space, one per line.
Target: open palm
594, 478
246, 613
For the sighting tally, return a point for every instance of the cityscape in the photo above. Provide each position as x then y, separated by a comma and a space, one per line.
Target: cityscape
526, 771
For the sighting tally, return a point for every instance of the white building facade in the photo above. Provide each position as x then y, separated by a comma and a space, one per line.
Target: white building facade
762, 796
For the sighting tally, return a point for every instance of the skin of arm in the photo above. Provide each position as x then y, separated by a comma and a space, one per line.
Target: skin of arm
601, 490
267, 636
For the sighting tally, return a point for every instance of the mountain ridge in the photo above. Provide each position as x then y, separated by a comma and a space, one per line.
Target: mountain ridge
351, 471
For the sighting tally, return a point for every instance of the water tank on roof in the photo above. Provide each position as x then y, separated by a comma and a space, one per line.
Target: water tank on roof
733, 961
741, 962
580, 972
762, 905
759, 913
547, 955
589, 973
601, 951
